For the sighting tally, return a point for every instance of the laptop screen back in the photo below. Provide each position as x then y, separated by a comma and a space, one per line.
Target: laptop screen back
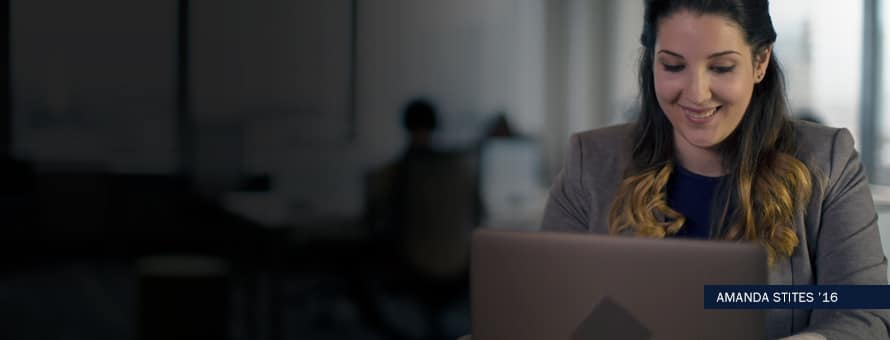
542, 285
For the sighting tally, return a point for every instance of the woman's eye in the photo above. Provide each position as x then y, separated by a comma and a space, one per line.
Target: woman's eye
673, 68
722, 69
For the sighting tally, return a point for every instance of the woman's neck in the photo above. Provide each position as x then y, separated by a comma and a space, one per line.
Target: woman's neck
701, 161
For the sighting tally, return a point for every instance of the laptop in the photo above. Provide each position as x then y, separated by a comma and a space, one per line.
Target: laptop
546, 285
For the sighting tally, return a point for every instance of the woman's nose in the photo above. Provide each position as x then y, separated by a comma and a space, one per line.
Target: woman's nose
698, 88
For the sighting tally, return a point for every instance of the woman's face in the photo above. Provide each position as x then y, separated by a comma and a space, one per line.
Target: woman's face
704, 77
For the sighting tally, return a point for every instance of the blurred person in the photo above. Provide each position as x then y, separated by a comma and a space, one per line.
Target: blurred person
714, 155
419, 120
421, 208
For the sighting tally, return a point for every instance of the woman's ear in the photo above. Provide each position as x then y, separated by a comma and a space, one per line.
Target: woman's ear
761, 62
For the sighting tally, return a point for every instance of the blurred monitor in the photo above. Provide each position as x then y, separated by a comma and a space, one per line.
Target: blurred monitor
510, 183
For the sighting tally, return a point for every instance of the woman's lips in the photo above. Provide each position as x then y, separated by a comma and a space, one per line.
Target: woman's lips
700, 115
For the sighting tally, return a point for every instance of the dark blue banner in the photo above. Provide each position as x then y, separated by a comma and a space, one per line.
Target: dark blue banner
797, 297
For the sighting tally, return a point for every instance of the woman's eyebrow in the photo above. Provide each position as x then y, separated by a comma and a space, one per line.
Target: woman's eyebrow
713, 55
720, 54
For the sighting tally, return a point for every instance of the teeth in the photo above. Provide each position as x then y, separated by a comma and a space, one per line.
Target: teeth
701, 115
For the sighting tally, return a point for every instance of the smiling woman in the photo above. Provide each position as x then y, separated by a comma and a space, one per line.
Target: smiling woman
715, 155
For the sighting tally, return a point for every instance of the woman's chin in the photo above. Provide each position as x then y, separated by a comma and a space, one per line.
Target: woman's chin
703, 142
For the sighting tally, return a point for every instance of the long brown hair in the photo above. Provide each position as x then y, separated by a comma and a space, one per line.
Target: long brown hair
766, 183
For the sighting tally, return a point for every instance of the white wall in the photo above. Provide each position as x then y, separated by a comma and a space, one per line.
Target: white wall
835, 95
626, 26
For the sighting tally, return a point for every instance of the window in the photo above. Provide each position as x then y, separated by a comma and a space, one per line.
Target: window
820, 48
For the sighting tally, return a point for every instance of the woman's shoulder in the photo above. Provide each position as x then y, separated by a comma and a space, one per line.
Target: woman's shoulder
821, 143
600, 151
811, 134
609, 131
609, 138
828, 151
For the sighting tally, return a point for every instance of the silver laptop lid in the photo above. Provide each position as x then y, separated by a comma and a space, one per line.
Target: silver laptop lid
543, 285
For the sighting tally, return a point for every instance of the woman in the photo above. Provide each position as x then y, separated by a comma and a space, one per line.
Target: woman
714, 155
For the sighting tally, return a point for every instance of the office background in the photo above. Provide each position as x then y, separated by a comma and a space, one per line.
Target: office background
230, 146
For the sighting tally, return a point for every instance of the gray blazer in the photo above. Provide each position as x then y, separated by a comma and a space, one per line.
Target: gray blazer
839, 240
